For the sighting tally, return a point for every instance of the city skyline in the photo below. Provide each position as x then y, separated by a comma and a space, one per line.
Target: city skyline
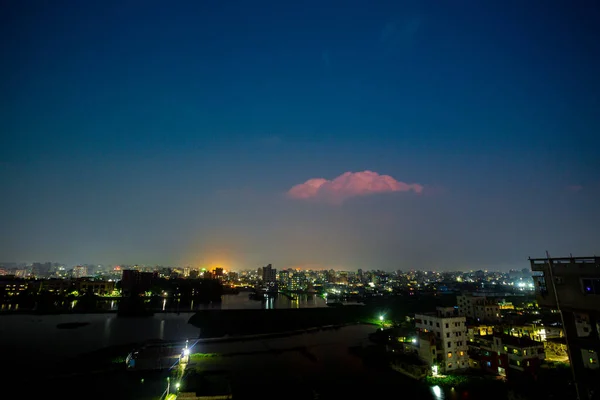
15, 265
380, 136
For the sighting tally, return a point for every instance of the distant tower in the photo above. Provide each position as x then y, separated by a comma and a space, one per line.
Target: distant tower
269, 274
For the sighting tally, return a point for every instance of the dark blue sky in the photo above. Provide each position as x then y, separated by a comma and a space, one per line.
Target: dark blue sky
160, 132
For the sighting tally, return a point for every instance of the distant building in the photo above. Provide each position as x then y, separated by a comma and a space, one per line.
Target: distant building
331, 276
56, 286
13, 286
443, 339
297, 282
136, 282
269, 274
572, 286
41, 269
101, 288
80, 271
478, 308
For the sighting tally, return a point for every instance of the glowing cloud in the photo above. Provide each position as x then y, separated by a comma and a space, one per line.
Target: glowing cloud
350, 184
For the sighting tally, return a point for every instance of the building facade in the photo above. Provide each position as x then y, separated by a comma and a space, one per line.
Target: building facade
443, 339
571, 285
506, 355
478, 308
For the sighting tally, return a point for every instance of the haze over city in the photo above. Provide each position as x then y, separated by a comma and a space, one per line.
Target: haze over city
407, 135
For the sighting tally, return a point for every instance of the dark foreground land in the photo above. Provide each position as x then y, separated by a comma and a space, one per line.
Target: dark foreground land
217, 323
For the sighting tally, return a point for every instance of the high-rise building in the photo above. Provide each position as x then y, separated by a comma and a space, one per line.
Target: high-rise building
443, 339
571, 285
80, 271
269, 274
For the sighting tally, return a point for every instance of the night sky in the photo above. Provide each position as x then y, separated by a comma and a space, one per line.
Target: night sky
326, 134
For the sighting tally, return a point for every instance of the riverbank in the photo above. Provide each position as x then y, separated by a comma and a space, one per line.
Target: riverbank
218, 323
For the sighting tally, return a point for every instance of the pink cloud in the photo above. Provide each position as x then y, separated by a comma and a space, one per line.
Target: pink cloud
350, 184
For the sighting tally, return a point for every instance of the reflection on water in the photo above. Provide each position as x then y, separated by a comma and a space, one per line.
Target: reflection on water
242, 301
228, 302
28, 333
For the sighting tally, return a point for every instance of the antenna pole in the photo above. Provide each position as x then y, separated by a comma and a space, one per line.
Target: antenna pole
562, 319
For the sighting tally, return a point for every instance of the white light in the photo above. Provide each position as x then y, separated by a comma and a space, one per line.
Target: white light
186, 352
414, 340
381, 317
437, 392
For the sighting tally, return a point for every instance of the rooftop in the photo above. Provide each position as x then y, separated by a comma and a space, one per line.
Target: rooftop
567, 260
514, 341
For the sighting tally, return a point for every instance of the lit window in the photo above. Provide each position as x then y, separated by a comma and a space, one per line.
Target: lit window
518, 363
449, 354
462, 353
592, 360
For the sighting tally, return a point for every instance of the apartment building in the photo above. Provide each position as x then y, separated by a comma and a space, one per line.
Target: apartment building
506, 355
478, 308
443, 339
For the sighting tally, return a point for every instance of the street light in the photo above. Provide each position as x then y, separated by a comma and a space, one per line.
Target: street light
168, 384
381, 318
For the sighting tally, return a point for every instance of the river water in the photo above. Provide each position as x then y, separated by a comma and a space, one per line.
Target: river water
27, 338
27, 333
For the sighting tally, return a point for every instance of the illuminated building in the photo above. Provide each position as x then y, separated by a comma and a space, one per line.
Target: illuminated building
101, 288
506, 355
443, 339
478, 308
13, 286
79, 271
